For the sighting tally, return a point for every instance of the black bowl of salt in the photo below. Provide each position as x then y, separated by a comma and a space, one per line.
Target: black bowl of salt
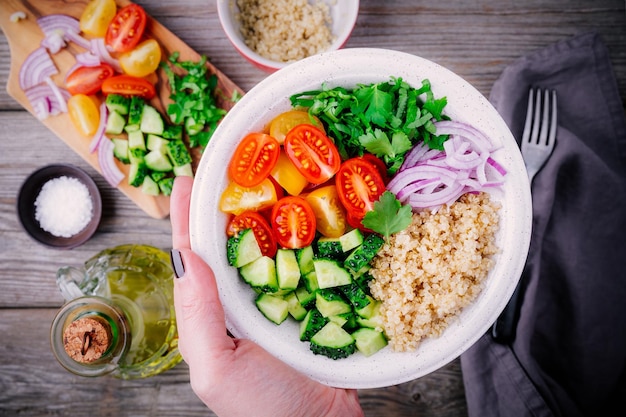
59, 206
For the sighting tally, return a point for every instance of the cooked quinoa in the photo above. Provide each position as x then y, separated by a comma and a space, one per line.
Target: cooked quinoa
285, 30
426, 274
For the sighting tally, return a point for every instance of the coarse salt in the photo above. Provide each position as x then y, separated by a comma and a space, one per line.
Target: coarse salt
63, 207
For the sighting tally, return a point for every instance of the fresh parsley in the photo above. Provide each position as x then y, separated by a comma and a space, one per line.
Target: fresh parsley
193, 98
385, 118
389, 215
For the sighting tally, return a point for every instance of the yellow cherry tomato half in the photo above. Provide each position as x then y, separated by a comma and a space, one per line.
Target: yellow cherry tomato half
286, 121
287, 175
96, 17
84, 114
329, 213
143, 60
236, 199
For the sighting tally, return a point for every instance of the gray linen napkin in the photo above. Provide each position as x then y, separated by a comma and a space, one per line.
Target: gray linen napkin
569, 354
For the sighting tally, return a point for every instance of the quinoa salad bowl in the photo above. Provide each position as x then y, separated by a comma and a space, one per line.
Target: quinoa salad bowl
489, 232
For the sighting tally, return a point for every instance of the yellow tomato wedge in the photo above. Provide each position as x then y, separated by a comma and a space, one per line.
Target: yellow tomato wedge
236, 199
143, 60
329, 213
84, 114
96, 17
287, 175
286, 121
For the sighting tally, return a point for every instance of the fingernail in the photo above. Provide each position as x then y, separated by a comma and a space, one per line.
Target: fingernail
177, 263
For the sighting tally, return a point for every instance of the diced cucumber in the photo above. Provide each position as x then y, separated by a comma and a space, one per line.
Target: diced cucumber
120, 150
178, 153
137, 173
339, 319
355, 294
173, 132
363, 255
158, 161
117, 103
183, 170
333, 341
273, 307
311, 324
369, 341
135, 110
287, 269
242, 248
295, 308
306, 298
149, 186
166, 185
115, 123
136, 155
157, 176
156, 142
331, 303
260, 274
151, 120
371, 316
305, 257
310, 281
370, 309
351, 240
329, 247
330, 273
136, 140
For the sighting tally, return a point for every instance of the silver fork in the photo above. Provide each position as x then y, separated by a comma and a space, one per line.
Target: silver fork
538, 142
539, 135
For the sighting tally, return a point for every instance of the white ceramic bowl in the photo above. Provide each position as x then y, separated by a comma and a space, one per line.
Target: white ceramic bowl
342, 12
346, 68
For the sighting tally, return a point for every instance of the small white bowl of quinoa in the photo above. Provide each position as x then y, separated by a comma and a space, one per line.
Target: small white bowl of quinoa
271, 34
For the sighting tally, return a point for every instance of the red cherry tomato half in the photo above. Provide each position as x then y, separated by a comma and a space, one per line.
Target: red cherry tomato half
293, 222
379, 164
88, 80
359, 185
312, 152
127, 85
126, 28
260, 227
254, 159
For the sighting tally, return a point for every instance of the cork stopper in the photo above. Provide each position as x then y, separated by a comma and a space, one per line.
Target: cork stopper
86, 339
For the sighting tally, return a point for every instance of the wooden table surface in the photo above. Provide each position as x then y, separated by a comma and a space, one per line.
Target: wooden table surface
475, 38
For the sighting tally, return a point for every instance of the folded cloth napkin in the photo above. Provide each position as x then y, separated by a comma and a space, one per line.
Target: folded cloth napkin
569, 353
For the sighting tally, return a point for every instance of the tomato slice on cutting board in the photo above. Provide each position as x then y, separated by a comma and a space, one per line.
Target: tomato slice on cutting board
88, 80
254, 159
260, 227
312, 152
128, 85
293, 222
126, 28
359, 185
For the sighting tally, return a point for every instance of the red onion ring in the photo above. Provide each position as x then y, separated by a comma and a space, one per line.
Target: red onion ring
36, 68
97, 137
109, 169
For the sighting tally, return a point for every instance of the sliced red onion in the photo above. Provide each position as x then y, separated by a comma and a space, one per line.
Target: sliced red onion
109, 169
44, 101
73, 36
99, 49
99, 135
58, 94
88, 59
58, 22
431, 178
36, 68
53, 42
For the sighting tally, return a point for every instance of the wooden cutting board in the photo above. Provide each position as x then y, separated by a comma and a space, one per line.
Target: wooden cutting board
25, 36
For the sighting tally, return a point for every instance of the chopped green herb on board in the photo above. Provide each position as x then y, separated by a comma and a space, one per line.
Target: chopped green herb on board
194, 105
